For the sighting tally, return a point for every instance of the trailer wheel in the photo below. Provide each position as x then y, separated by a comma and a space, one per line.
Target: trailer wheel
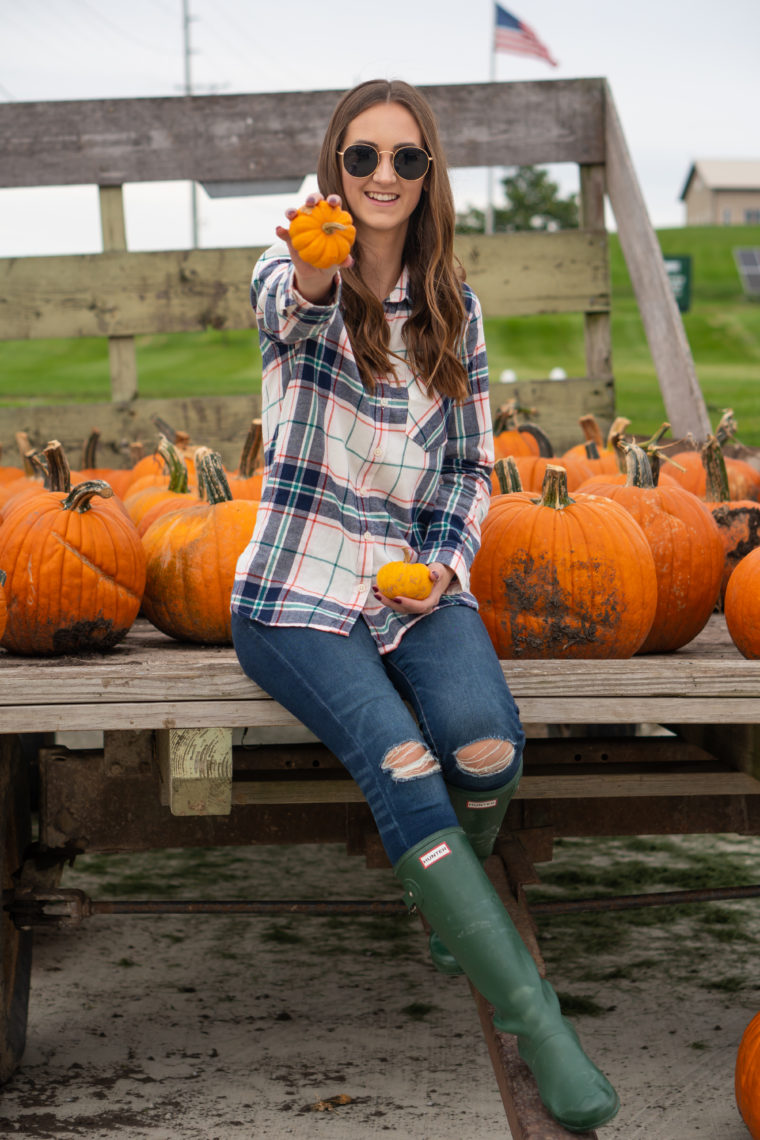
15, 945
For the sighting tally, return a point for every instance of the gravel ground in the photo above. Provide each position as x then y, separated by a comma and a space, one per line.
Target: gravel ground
225, 1028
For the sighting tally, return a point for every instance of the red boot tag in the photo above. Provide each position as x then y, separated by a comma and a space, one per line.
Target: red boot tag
434, 854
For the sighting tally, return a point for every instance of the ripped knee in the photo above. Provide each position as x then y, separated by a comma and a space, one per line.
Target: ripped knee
485, 757
409, 761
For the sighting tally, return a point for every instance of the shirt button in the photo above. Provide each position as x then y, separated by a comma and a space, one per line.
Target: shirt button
367, 536
377, 452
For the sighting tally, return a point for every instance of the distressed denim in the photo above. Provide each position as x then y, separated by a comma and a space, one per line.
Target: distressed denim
442, 688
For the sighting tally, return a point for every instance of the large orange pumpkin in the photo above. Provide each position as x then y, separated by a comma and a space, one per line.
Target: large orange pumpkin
747, 1077
76, 570
741, 605
687, 549
557, 576
191, 556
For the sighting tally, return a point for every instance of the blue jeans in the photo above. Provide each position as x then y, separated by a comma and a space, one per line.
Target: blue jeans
354, 699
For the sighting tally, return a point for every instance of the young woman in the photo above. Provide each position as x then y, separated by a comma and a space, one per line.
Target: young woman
378, 446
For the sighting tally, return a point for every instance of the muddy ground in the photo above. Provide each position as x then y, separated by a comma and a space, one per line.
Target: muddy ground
230, 1028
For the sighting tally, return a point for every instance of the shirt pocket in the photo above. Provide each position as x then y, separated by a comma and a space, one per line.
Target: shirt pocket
426, 419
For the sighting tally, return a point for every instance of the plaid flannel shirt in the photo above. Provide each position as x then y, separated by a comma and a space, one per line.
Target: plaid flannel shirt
354, 479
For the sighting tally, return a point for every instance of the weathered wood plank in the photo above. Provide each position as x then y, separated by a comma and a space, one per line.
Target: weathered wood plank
555, 787
196, 770
122, 357
47, 717
663, 326
222, 421
597, 325
150, 668
558, 404
240, 138
117, 293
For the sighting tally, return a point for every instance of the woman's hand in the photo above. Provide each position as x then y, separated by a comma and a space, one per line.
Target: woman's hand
313, 284
440, 576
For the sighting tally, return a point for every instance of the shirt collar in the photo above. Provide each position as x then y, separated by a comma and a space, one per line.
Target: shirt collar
400, 291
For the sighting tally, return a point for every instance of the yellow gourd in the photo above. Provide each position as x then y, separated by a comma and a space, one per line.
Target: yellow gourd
404, 580
322, 234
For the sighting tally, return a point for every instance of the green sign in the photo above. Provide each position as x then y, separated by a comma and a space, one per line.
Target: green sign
678, 270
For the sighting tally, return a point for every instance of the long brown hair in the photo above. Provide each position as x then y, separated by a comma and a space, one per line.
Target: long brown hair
435, 328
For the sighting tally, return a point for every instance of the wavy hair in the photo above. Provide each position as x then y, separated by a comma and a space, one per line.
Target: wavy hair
435, 329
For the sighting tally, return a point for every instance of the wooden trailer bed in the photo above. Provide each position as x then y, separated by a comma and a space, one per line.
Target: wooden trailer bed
195, 754
188, 751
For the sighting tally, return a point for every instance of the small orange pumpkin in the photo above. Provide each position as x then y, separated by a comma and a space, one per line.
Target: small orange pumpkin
322, 234
405, 580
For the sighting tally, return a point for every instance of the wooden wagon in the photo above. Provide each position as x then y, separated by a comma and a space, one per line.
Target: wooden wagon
169, 769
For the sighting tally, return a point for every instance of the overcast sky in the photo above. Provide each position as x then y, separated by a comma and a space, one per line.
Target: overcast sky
684, 76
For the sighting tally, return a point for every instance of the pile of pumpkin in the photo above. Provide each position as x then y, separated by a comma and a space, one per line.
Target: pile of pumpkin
616, 548
83, 552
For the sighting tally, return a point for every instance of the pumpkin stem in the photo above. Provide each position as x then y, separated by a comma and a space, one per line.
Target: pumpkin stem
591, 430
164, 428
508, 475
36, 467
545, 448
59, 472
639, 470
90, 450
2, 577
554, 488
615, 438
211, 476
332, 227
177, 470
80, 498
592, 449
136, 452
250, 452
726, 429
716, 474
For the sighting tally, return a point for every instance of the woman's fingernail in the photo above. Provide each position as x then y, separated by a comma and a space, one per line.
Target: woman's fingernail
434, 575
397, 600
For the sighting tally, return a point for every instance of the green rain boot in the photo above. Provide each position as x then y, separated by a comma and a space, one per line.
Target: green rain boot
481, 815
444, 879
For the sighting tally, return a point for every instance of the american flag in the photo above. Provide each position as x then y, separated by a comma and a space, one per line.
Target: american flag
511, 34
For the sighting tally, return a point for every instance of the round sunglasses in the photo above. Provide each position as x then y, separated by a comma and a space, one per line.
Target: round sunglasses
361, 159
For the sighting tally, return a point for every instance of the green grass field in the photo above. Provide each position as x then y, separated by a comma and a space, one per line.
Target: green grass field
722, 326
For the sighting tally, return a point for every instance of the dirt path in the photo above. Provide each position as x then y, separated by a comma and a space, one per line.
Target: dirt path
228, 1028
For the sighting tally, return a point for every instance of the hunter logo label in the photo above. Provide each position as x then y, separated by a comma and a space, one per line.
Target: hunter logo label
477, 805
434, 854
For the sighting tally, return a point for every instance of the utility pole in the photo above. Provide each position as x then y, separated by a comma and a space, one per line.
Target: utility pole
186, 21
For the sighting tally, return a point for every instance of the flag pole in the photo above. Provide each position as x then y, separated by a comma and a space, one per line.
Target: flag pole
489, 169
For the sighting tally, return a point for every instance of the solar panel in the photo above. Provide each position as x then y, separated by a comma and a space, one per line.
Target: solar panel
748, 264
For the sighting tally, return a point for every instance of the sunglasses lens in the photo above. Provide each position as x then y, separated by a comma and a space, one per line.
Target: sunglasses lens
411, 163
359, 161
